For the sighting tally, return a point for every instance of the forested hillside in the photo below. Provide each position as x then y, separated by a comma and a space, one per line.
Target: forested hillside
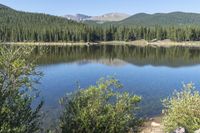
16, 26
3, 6
164, 19
22, 26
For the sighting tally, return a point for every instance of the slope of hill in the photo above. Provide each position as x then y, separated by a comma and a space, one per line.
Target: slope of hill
5, 7
21, 26
17, 26
163, 19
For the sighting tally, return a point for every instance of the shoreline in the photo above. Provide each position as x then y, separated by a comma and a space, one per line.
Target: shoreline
139, 43
153, 125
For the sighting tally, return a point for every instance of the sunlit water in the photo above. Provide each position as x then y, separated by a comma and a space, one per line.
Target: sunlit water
153, 73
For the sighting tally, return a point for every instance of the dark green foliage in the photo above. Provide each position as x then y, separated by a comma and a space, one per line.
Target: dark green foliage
18, 26
164, 19
5, 7
99, 108
16, 92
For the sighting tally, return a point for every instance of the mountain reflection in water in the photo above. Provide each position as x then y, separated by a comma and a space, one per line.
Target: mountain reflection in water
119, 55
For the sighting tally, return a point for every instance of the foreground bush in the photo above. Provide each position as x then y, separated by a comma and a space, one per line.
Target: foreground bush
16, 92
99, 108
183, 110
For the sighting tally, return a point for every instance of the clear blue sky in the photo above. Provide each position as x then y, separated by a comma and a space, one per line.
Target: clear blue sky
98, 7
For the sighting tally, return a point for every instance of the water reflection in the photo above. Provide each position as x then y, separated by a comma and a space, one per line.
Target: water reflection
119, 55
152, 73
147, 71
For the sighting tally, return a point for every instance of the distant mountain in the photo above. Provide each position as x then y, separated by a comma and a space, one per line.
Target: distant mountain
163, 19
77, 17
110, 17
103, 18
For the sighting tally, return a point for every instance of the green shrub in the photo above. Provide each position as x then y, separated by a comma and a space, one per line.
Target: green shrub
16, 94
183, 110
99, 108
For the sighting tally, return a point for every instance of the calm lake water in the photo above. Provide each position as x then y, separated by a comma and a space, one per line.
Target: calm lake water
153, 73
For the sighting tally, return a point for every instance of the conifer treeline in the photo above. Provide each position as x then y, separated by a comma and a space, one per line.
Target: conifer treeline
20, 26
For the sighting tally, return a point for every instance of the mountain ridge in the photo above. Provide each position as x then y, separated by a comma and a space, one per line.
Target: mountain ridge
77, 17
145, 19
19, 26
171, 18
177, 18
114, 16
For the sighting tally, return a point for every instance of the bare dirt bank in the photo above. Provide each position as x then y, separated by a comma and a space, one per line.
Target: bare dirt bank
154, 125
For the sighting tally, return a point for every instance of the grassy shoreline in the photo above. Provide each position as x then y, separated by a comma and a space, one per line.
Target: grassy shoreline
140, 43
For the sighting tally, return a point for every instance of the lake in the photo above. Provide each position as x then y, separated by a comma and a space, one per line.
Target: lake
153, 73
